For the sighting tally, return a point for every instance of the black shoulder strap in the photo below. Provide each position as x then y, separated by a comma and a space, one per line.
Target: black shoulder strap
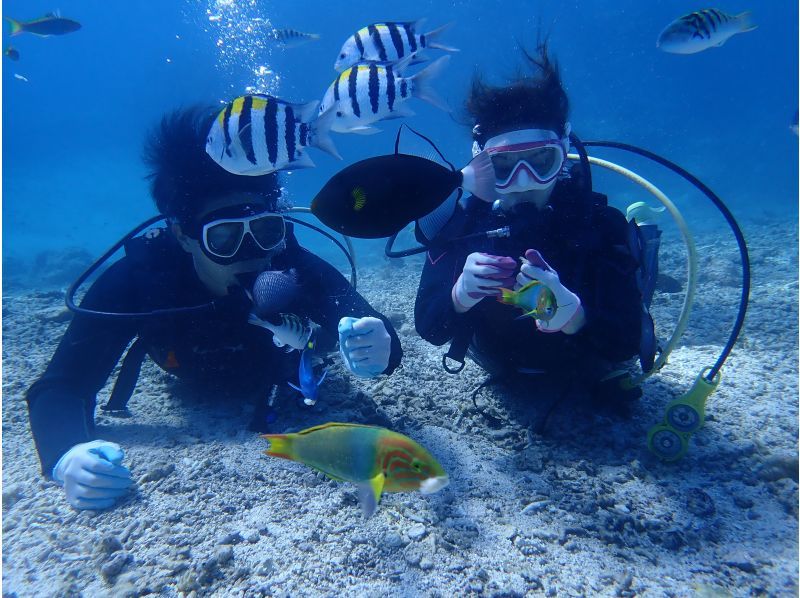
127, 377
458, 348
644, 242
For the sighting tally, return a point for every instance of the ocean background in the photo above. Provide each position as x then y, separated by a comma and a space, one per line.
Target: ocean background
73, 129
578, 507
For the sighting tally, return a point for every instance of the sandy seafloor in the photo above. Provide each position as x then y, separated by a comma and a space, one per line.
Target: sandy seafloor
583, 509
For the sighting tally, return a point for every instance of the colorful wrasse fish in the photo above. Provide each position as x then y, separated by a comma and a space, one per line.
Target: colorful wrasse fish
368, 92
11, 53
535, 299
290, 38
389, 42
309, 385
290, 332
375, 459
701, 30
50, 24
258, 134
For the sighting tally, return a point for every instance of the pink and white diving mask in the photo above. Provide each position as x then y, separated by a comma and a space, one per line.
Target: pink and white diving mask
527, 159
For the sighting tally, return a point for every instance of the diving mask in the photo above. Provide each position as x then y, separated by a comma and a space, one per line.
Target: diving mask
224, 237
527, 159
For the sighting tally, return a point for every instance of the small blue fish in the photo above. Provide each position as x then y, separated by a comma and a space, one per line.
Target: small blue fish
309, 387
702, 29
289, 38
50, 24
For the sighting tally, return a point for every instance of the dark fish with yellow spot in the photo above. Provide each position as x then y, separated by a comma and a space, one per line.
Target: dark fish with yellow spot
11, 53
379, 196
375, 459
50, 24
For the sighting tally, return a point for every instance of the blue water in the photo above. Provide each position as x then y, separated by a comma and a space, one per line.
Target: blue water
73, 132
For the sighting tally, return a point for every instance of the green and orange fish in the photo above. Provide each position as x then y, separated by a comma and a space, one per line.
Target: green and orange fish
375, 459
535, 299
50, 24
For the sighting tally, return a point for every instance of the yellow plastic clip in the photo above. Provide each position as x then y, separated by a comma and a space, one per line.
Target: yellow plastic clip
669, 440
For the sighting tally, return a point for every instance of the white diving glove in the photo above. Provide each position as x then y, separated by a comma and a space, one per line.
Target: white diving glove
569, 316
365, 346
483, 275
92, 475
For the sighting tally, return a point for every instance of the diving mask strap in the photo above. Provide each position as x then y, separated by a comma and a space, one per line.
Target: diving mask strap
565, 138
476, 149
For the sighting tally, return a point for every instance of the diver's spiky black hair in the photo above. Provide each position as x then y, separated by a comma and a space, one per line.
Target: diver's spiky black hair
183, 176
535, 100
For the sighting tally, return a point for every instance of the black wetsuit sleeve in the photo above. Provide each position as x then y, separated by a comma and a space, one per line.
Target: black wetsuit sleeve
611, 299
434, 316
61, 403
331, 298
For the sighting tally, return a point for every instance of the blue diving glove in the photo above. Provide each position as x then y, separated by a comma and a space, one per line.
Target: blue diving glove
91, 474
365, 346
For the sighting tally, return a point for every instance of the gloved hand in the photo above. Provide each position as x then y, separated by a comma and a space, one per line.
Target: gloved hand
482, 276
365, 346
569, 312
91, 474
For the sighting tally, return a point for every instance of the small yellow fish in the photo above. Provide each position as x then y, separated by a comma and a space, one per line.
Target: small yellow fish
535, 299
375, 459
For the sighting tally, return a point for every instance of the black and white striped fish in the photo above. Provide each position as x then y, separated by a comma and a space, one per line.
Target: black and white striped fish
701, 30
290, 332
371, 91
259, 134
389, 42
290, 38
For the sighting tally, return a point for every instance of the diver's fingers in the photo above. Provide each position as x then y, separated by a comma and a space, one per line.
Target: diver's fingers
367, 325
489, 272
535, 273
499, 261
94, 504
489, 282
491, 290
360, 341
522, 280
361, 355
88, 492
99, 480
534, 258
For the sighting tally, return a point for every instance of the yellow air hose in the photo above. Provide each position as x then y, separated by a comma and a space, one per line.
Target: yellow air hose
691, 257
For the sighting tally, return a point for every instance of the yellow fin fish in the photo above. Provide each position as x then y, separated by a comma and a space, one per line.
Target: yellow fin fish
375, 459
535, 299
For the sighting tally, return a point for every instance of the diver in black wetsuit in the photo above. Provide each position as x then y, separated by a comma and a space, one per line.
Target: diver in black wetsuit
559, 234
224, 230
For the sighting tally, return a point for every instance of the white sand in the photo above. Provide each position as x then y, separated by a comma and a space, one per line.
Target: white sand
584, 509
